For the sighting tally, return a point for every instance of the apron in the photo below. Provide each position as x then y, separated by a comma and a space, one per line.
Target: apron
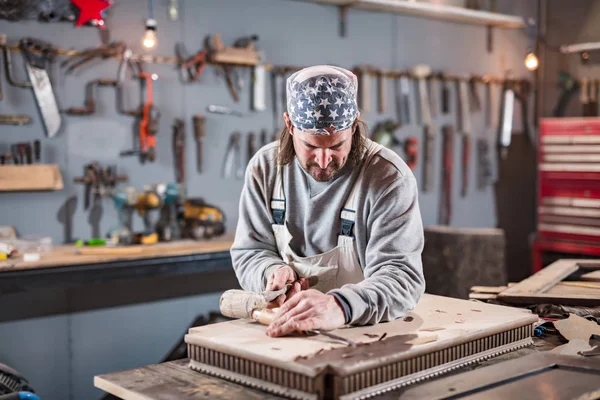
337, 266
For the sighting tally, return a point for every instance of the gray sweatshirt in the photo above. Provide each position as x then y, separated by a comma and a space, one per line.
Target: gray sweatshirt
388, 231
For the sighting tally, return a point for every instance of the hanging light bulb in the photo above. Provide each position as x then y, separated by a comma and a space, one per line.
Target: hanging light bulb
149, 38
531, 61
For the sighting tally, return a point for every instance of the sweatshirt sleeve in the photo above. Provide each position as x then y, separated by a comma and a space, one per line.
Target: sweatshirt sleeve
394, 279
254, 251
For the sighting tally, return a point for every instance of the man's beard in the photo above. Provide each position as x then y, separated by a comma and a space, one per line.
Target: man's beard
323, 175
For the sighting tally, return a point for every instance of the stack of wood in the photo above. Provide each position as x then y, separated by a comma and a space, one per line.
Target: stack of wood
565, 282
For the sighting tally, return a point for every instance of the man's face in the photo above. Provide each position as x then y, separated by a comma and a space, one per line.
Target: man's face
322, 156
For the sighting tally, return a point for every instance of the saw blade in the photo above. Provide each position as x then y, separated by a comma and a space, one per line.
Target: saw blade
45, 99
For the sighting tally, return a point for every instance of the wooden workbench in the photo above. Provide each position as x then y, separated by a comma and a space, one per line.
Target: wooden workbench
64, 268
66, 255
174, 380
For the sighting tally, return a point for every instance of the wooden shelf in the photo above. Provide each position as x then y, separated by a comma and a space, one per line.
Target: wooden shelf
432, 11
31, 177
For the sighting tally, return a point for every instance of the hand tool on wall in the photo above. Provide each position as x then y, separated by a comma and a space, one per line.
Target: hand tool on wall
403, 100
233, 158
432, 94
256, 306
8, 66
506, 122
98, 181
445, 93
381, 92
474, 100
148, 122
104, 52
264, 138
251, 145
135, 69
259, 88
10, 119
223, 110
277, 91
199, 134
421, 72
89, 106
465, 129
243, 52
445, 210
38, 56
569, 86
194, 65
484, 165
179, 150
364, 87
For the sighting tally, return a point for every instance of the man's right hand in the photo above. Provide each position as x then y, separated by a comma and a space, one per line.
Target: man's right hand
281, 277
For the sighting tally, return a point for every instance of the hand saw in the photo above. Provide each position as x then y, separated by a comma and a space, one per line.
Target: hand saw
37, 55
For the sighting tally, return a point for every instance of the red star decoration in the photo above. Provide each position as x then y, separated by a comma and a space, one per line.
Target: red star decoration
90, 10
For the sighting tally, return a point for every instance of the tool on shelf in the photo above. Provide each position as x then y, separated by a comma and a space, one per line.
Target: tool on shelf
23, 153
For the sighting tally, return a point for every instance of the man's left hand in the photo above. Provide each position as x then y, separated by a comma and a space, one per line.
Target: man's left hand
309, 309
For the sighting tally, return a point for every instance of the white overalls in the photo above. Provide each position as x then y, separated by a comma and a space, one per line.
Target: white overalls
337, 266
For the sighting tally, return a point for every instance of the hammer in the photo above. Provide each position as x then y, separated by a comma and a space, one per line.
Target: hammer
250, 305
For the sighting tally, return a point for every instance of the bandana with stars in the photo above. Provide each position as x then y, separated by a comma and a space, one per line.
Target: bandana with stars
321, 100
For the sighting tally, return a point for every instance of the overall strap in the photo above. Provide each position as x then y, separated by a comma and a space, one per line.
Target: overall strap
348, 214
278, 199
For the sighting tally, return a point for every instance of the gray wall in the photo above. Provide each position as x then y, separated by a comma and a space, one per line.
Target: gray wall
60, 354
569, 23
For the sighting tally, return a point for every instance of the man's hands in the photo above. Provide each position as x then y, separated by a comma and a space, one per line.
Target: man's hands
309, 309
281, 277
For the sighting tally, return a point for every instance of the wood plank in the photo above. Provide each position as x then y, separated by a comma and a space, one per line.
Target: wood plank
65, 255
544, 279
593, 276
543, 287
30, 177
173, 380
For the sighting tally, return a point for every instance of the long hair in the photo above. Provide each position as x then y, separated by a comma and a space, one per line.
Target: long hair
286, 152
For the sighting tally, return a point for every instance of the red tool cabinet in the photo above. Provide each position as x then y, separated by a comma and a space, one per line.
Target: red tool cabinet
568, 206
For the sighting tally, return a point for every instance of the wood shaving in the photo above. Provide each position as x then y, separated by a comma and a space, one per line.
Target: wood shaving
275, 348
460, 321
475, 310
370, 335
458, 314
319, 352
422, 340
382, 336
440, 311
432, 329
408, 319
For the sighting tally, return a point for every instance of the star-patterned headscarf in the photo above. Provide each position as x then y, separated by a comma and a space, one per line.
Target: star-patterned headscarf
321, 100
